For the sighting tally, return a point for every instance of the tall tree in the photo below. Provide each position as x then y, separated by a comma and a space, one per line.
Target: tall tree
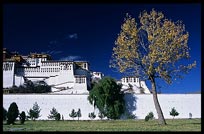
152, 50
108, 98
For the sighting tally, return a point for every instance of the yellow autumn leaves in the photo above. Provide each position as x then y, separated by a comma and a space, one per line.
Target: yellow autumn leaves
166, 42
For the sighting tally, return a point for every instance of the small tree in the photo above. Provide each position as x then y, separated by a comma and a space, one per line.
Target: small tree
34, 113
4, 114
190, 115
92, 115
150, 116
62, 117
22, 117
73, 114
101, 115
12, 113
173, 112
54, 114
58, 116
79, 113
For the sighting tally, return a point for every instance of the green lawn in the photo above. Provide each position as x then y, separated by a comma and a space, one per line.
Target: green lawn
111, 125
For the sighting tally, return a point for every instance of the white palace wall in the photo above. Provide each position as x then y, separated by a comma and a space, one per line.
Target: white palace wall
139, 104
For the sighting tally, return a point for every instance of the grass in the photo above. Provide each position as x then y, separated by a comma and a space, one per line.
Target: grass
106, 125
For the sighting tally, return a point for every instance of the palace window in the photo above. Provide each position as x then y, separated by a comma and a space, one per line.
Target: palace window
127, 80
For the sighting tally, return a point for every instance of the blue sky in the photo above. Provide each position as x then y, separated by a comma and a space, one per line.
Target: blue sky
88, 32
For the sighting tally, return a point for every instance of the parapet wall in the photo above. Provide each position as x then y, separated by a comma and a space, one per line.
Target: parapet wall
139, 104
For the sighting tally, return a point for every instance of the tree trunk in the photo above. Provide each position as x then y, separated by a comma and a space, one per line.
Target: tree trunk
156, 103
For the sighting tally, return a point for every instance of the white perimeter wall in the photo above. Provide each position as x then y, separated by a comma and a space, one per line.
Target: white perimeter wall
140, 105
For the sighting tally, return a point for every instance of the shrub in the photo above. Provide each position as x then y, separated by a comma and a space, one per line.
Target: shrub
92, 115
22, 117
4, 114
30, 87
73, 114
150, 116
147, 118
58, 116
101, 115
42, 89
173, 112
54, 114
34, 113
13, 113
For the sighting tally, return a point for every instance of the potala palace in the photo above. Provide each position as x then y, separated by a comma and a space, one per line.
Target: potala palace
71, 81
69, 77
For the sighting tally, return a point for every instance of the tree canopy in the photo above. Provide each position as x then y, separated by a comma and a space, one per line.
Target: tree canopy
153, 49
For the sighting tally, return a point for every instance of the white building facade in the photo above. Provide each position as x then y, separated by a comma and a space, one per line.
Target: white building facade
64, 77
133, 84
67, 76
